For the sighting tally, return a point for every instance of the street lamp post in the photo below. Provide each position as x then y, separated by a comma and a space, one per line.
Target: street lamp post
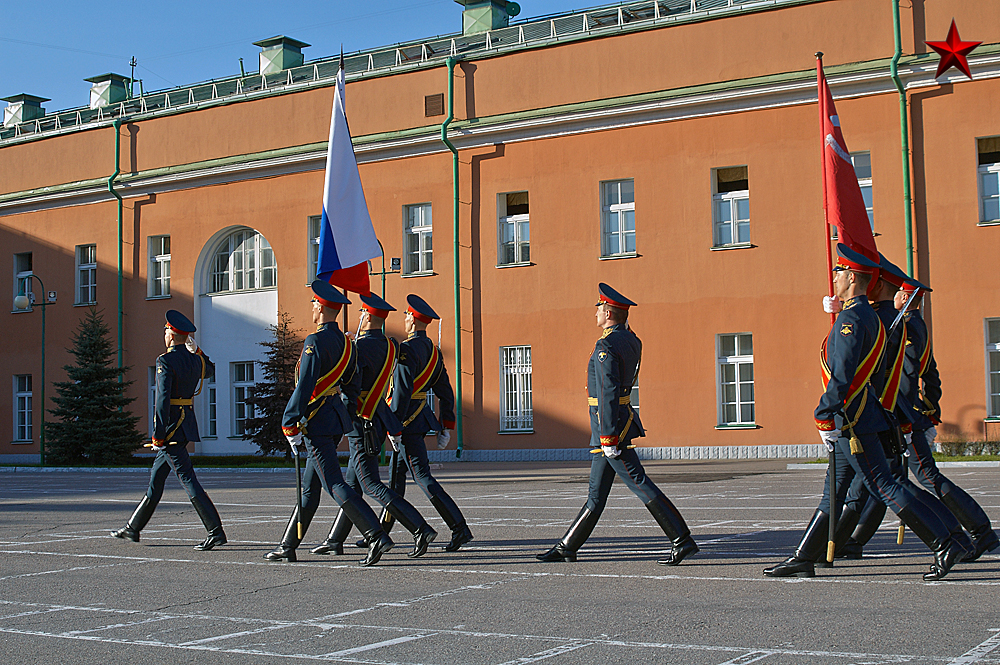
22, 301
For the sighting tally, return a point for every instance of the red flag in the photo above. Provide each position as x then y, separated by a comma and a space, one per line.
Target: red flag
842, 201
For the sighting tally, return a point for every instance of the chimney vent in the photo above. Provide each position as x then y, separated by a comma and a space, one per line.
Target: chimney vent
280, 53
107, 89
483, 15
22, 108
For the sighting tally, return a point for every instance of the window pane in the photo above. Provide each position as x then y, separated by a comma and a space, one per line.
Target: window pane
746, 392
991, 210
995, 401
991, 184
993, 327
862, 164
743, 232
746, 345
728, 373
727, 346
628, 191
630, 243
746, 413
524, 231
729, 393
866, 194
724, 211
729, 413
742, 208
746, 371
628, 220
611, 192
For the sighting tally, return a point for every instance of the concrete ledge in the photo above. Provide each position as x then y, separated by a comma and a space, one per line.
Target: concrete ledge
983, 464
807, 451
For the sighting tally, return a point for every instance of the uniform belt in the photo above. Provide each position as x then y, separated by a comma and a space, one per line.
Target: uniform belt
179, 401
627, 399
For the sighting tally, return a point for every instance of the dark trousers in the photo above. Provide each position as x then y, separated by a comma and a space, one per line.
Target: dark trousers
628, 467
173, 457
413, 456
363, 473
322, 472
922, 464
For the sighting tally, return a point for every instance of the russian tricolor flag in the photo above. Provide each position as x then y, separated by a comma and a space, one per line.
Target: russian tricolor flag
347, 238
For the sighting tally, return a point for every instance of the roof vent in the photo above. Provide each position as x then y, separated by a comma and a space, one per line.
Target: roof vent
22, 108
107, 89
484, 15
279, 53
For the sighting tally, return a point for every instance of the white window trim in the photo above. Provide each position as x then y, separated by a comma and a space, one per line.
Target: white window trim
736, 360
211, 400
312, 250
245, 385
516, 220
518, 415
155, 259
260, 245
423, 229
80, 268
980, 172
606, 211
994, 347
733, 198
29, 411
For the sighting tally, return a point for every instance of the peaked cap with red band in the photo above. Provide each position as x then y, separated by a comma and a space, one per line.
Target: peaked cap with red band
890, 272
327, 295
608, 296
848, 259
911, 285
375, 306
179, 323
420, 310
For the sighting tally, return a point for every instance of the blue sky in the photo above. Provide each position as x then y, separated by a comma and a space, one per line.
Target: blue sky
51, 47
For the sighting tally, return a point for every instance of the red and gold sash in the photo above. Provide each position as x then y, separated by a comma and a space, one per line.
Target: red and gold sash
368, 403
328, 382
865, 369
925, 357
425, 376
891, 390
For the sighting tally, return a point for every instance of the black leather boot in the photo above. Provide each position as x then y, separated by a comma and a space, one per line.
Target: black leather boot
973, 518
140, 517
929, 529
378, 540
811, 548
387, 520
338, 534
868, 523
452, 516
576, 536
285, 551
412, 521
847, 547
669, 518
213, 523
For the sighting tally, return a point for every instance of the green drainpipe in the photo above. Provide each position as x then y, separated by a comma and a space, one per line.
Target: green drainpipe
905, 134
450, 64
111, 188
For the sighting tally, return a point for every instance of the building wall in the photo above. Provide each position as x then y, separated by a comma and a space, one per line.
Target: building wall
687, 292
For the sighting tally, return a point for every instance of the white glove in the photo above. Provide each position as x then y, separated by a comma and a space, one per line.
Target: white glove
191, 345
908, 437
295, 441
159, 446
930, 434
443, 437
829, 438
832, 304
611, 452
396, 441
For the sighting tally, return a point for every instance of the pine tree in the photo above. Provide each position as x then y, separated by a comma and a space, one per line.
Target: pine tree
270, 396
92, 422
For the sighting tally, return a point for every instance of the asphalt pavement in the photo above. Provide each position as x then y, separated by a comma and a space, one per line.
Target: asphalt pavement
69, 593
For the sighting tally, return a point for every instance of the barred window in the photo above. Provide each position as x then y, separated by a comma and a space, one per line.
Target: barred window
22, 407
735, 375
515, 389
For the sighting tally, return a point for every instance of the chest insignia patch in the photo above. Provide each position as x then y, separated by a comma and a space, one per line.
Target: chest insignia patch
601, 355
159, 370
847, 329
309, 350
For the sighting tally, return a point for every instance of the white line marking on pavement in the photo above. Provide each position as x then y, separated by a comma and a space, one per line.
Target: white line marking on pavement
977, 653
375, 645
234, 635
548, 653
61, 570
748, 658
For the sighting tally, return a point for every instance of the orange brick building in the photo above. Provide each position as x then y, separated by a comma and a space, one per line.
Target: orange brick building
670, 149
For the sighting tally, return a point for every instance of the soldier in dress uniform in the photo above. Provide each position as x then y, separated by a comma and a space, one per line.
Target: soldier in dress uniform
850, 420
611, 373
863, 513
421, 369
377, 356
179, 373
319, 413
921, 386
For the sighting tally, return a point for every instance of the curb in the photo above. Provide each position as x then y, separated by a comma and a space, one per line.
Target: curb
940, 465
140, 469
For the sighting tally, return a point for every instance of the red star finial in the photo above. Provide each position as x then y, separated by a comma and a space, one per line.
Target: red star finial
953, 51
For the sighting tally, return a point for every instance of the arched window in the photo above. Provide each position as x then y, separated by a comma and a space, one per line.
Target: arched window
243, 260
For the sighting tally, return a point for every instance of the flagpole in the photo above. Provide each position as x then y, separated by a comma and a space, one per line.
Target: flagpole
831, 546
820, 86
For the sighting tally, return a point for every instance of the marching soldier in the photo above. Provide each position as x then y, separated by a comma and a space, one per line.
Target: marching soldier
611, 373
850, 421
419, 370
319, 413
862, 510
921, 386
179, 373
376, 361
